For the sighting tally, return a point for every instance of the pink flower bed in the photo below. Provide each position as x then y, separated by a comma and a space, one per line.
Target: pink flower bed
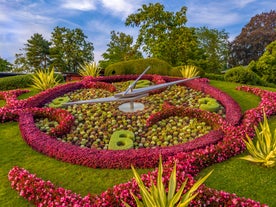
231, 129
142, 158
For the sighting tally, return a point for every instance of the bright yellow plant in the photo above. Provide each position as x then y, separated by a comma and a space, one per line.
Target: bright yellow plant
44, 79
189, 71
90, 69
264, 150
156, 195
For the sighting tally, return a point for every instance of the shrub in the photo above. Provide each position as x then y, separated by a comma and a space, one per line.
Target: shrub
189, 71
209, 104
243, 75
214, 76
266, 65
15, 82
43, 80
264, 151
159, 67
90, 69
157, 195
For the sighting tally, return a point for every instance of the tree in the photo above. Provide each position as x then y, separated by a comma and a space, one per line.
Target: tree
266, 65
215, 46
70, 49
5, 65
253, 39
163, 34
21, 63
37, 52
119, 49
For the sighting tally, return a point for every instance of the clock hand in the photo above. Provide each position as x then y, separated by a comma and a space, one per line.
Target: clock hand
132, 86
136, 92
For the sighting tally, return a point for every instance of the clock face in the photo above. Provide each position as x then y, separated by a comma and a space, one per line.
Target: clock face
97, 124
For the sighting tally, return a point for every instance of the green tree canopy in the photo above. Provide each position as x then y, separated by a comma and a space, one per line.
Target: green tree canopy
37, 52
266, 65
119, 49
5, 65
163, 34
215, 46
255, 36
70, 49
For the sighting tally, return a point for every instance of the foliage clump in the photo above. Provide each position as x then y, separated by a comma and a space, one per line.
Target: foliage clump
264, 150
90, 69
243, 75
156, 195
159, 67
15, 82
44, 79
189, 71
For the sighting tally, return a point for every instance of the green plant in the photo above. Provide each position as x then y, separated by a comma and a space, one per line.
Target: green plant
156, 195
121, 140
209, 104
58, 102
264, 151
14, 82
44, 79
189, 71
90, 69
137, 66
243, 75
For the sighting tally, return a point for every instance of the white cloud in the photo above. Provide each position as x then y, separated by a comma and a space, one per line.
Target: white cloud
121, 8
82, 5
242, 3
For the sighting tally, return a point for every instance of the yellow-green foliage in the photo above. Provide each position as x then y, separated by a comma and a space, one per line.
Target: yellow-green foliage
90, 69
138, 66
121, 140
44, 79
58, 102
264, 151
189, 71
209, 104
156, 195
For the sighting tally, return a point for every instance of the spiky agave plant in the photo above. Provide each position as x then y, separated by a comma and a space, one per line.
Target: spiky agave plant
156, 195
264, 149
90, 69
44, 79
189, 71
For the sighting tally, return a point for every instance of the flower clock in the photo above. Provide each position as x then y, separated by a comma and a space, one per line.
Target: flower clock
172, 124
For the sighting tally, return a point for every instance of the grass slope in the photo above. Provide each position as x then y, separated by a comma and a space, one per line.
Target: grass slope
234, 175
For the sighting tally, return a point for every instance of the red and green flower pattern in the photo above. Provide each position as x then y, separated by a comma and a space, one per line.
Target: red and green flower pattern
217, 146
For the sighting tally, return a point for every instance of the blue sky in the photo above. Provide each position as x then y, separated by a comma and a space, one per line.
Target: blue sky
20, 19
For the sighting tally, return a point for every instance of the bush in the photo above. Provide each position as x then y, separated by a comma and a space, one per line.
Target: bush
214, 76
159, 67
243, 75
266, 65
189, 71
15, 82
20, 81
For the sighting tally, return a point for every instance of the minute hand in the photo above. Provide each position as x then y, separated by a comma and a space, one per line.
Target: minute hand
140, 91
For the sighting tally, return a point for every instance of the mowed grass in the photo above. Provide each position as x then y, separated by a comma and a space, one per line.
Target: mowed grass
234, 175
239, 176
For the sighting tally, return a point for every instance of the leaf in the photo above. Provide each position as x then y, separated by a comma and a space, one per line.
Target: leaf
172, 183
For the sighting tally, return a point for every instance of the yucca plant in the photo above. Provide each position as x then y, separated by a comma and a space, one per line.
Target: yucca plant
90, 69
189, 71
44, 79
264, 151
156, 195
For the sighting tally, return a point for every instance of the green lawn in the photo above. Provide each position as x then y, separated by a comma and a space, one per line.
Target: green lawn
235, 175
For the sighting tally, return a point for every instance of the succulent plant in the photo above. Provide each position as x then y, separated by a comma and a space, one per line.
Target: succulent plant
95, 123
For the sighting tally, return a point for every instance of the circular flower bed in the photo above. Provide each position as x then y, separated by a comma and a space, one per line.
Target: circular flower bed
145, 157
191, 158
